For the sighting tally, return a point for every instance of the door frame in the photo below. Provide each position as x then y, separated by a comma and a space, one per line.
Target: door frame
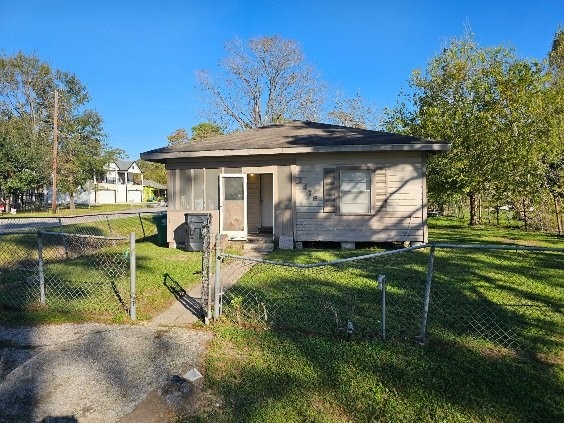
233, 235
271, 187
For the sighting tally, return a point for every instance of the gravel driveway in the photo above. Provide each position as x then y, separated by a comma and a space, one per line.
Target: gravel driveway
91, 372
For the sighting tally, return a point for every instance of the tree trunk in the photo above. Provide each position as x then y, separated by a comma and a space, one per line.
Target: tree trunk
473, 210
497, 214
525, 218
71, 201
557, 210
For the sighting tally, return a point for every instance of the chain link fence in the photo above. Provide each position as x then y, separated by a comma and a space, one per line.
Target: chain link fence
508, 296
512, 298
74, 265
100, 224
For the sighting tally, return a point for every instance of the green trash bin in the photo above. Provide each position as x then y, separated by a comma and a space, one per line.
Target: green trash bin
160, 222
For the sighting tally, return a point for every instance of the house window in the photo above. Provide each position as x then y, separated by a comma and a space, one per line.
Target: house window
354, 191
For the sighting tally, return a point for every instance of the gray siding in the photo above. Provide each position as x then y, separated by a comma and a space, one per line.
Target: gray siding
398, 198
396, 188
212, 189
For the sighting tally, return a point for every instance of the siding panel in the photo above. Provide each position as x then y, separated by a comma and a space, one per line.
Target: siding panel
396, 194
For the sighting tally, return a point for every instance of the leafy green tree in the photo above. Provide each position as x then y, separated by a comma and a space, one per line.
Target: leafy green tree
83, 152
206, 130
489, 105
262, 81
555, 114
153, 171
26, 94
178, 137
27, 87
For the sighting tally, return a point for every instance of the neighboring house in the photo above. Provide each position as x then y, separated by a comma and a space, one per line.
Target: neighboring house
122, 182
153, 191
302, 181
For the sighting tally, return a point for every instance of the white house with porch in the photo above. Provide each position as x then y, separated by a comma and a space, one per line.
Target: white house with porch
122, 182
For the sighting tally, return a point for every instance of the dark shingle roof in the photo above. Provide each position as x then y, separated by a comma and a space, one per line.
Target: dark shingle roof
124, 164
295, 137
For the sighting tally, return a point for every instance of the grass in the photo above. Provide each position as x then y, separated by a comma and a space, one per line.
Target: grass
80, 209
453, 230
299, 371
79, 297
304, 369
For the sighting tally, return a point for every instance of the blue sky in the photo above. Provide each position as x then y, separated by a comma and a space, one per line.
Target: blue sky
139, 58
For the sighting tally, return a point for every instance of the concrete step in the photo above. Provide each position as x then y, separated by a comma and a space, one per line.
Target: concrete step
258, 246
259, 239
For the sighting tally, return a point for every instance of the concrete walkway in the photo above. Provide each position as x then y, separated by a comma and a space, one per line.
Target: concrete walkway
186, 309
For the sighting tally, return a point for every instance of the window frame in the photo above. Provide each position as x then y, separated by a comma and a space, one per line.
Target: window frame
332, 200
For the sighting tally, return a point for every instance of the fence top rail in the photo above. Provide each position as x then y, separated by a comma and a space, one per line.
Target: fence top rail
30, 232
63, 234
153, 210
398, 251
328, 263
496, 247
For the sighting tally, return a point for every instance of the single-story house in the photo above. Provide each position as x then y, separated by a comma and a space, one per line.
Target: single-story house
121, 182
153, 191
302, 181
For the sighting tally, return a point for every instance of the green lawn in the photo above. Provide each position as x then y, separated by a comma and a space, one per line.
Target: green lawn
63, 210
85, 288
304, 369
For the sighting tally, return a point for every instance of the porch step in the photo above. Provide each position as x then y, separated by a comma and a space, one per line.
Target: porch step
259, 243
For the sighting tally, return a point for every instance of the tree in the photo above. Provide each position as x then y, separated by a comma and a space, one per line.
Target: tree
178, 137
353, 112
261, 82
555, 114
489, 104
27, 87
153, 171
83, 152
206, 130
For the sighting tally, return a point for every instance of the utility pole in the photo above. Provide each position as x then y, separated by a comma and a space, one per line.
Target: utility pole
55, 152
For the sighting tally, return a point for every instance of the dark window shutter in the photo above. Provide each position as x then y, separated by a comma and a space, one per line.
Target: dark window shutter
329, 191
380, 191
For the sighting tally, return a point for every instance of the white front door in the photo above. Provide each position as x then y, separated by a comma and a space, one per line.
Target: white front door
233, 205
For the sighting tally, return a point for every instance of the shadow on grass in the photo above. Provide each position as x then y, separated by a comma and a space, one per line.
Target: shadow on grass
189, 303
301, 378
302, 369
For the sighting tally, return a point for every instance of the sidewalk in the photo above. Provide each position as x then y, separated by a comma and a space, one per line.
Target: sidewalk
186, 309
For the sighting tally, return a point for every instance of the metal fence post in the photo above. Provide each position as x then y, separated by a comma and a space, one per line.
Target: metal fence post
206, 265
382, 287
64, 239
132, 276
41, 269
423, 335
142, 227
109, 226
217, 284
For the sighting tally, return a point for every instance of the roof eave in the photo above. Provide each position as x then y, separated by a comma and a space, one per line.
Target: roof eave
159, 156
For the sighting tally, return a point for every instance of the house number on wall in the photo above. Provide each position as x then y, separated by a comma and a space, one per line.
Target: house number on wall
304, 187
